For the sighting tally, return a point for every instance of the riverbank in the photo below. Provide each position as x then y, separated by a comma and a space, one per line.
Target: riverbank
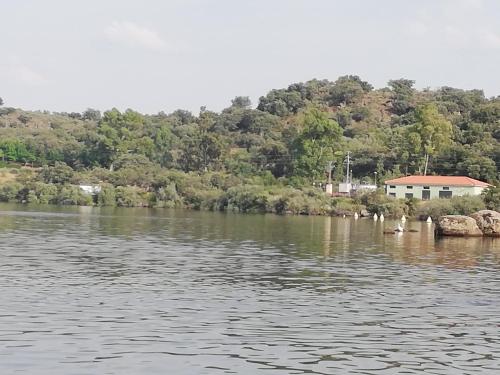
59, 185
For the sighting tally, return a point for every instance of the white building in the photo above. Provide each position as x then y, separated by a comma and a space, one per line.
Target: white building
91, 189
429, 187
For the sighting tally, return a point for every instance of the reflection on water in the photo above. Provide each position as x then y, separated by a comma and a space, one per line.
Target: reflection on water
129, 291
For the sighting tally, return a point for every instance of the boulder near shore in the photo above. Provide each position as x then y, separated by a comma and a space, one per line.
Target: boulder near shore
488, 221
458, 226
481, 223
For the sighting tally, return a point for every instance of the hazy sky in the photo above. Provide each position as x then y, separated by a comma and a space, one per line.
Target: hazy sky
152, 55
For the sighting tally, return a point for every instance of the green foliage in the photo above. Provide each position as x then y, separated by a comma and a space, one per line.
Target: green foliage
316, 144
402, 95
435, 208
107, 196
491, 197
376, 202
348, 89
72, 195
430, 134
9, 191
280, 148
43, 193
130, 196
60, 173
245, 199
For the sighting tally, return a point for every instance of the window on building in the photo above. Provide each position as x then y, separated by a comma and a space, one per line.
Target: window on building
426, 187
392, 186
446, 188
409, 187
392, 195
409, 195
445, 194
426, 195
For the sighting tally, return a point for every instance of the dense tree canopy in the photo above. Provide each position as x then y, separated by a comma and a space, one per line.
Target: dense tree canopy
293, 132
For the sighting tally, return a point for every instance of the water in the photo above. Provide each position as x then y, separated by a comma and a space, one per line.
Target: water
138, 291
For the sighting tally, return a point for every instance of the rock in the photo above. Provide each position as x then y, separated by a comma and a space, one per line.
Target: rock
364, 213
488, 221
458, 226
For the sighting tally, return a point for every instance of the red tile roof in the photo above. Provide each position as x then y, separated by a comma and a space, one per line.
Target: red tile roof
437, 180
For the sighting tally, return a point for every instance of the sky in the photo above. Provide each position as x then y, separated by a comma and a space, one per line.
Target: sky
163, 55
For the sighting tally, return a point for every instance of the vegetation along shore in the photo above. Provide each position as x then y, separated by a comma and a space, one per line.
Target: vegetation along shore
272, 158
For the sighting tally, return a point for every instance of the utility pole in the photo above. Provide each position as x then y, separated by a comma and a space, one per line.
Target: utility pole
348, 166
329, 186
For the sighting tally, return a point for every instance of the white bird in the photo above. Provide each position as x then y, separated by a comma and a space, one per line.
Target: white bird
356, 216
382, 217
429, 220
343, 216
375, 217
399, 228
403, 219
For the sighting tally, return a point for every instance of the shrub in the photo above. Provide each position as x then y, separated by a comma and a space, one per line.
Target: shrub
107, 196
491, 198
72, 195
435, 208
130, 196
202, 199
42, 193
345, 206
377, 202
246, 199
467, 205
455, 206
9, 191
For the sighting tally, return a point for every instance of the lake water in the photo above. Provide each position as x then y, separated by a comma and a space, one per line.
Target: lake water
142, 291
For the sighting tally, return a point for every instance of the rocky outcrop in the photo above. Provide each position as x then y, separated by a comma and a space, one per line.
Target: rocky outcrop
458, 226
488, 222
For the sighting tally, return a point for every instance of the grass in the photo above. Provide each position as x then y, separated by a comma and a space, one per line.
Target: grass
6, 175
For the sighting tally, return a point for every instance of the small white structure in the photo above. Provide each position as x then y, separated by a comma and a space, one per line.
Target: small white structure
90, 189
345, 187
429, 187
382, 218
329, 189
429, 220
375, 217
356, 216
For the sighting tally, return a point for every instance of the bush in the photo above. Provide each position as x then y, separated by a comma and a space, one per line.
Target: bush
467, 205
346, 206
107, 196
491, 198
245, 199
9, 191
202, 199
167, 196
73, 195
377, 202
131, 196
455, 206
42, 193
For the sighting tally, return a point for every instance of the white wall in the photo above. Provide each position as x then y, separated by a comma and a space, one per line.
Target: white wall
401, 190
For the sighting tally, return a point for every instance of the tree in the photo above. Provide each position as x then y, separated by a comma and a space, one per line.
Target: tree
241, 102
60, 173
431, 132
402, 95
315, 145
1, 101
347, 89
202, 149
91, 114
